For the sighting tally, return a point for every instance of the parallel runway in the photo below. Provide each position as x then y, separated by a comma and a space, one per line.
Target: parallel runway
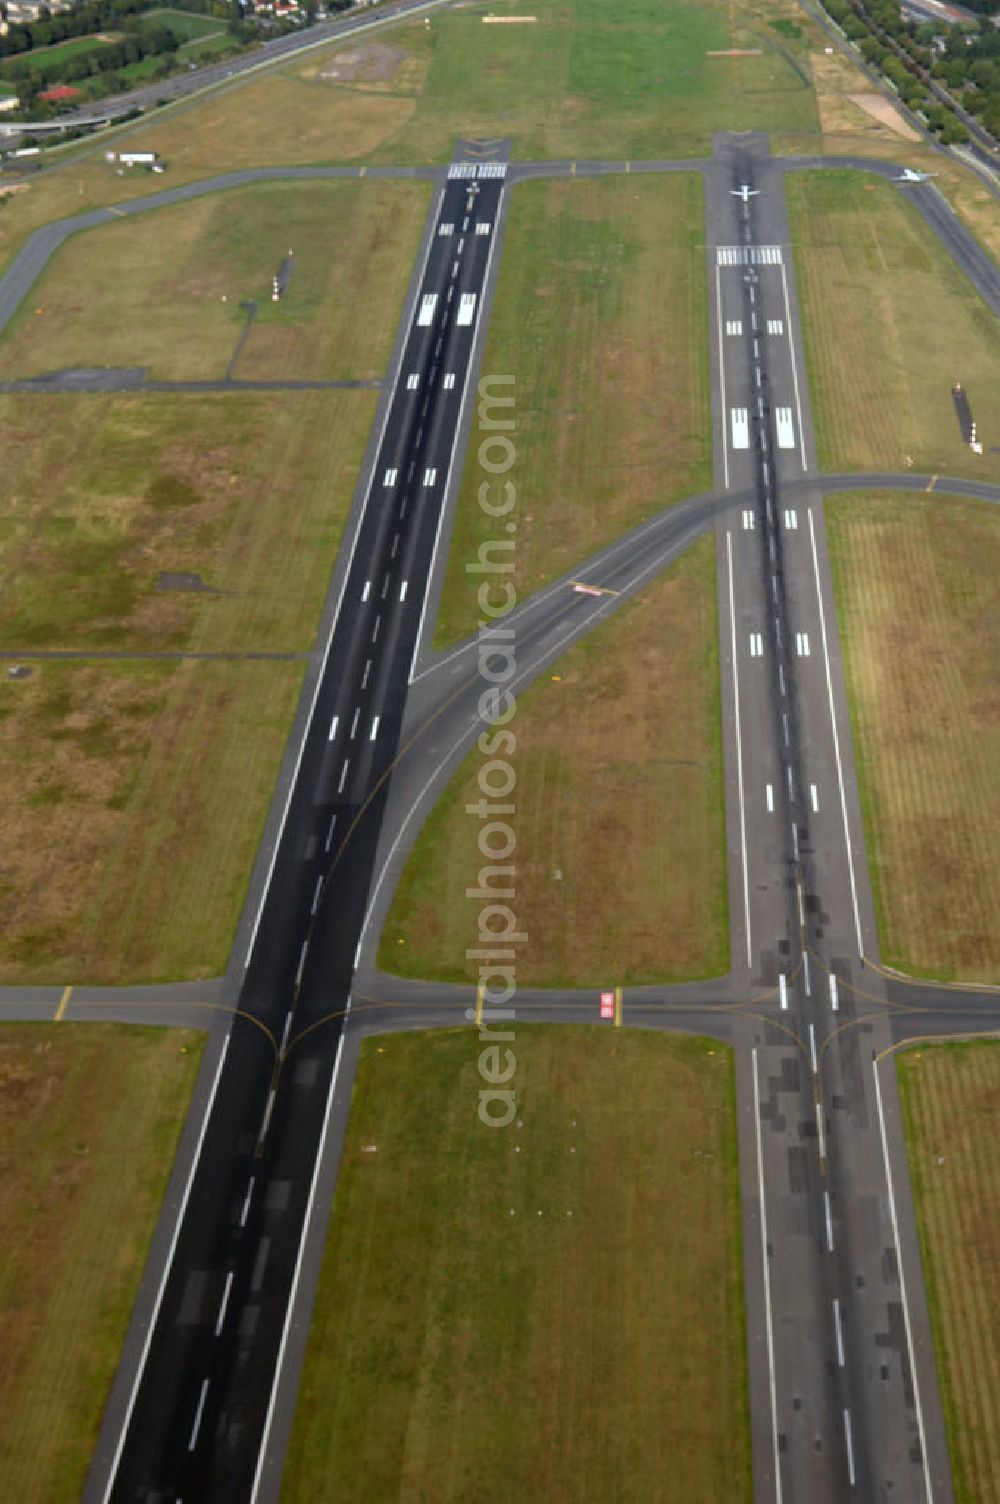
844, 1401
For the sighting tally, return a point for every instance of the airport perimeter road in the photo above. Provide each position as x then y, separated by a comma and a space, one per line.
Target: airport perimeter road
191, 1411
844, 1393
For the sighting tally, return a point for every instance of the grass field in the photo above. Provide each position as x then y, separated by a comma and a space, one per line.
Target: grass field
915, 581
185, 24
583, 81
150, 291
951, 1108
600, 316
248, 493
59, 52
134, 797
620, 859
108, 769
890, 325
507, 1314
89, 1118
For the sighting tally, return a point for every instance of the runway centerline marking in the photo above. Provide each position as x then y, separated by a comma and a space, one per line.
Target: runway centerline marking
839, 1332
829, 1221
783, 991
220, 1319
193, 1441
849, 1444
767, 1283
739, 751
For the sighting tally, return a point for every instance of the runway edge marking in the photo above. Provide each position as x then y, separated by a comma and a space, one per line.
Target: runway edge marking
767, 1282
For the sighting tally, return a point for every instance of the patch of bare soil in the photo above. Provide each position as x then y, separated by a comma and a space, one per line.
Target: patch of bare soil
885, 113
373, 64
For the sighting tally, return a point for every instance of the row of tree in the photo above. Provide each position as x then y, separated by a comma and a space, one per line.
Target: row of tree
925, 67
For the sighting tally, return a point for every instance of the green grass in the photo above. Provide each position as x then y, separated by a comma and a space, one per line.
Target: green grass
89, 1117
600, 317
951, 1111
249, 492
915, 585
633, 81
890, 325
134, 795
134, 798
553, 1310
58, 52
185, 24
164, 290
619, 867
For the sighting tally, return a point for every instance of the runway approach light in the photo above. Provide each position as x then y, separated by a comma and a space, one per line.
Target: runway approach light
744, 193
910, 175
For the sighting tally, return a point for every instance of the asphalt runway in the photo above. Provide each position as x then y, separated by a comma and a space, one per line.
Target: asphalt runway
844, 1399
190, 1423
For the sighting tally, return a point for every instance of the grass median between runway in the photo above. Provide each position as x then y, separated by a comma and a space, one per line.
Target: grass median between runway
550, 1310
90, 1115
165, 290
620, 869
915, 583
890, 326
600, 317
951, 1110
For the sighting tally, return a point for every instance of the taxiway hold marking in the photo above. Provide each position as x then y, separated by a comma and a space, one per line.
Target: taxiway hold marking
63, 1004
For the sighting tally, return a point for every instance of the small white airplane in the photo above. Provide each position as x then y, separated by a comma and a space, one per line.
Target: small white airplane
744, 192
910, 175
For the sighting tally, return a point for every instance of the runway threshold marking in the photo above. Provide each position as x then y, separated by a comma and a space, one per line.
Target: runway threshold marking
63, 1004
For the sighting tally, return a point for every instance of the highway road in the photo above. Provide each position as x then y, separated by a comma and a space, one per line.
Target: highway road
844, 1395
198, 80
188, 1423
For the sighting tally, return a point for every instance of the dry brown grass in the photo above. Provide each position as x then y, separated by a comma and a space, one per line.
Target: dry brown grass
552, 1311
890, 325
915, 578
134, 798
620, 864
600, 316
250, 492
951, 1102
89, 1120
164, 290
